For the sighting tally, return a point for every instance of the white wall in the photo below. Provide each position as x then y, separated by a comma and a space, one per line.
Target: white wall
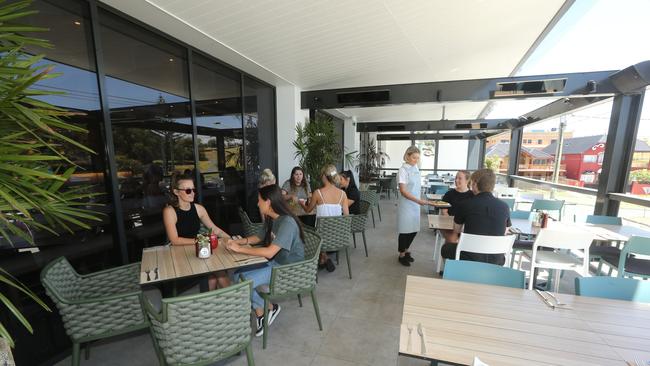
288, 115
452, 154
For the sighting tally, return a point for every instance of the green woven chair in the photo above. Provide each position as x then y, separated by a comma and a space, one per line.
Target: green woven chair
373, 198
250, 228
336, 232
94, 306
204, 328
294, 279
359, 224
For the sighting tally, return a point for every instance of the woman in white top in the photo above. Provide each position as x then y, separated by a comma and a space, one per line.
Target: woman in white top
329, 201
408, 205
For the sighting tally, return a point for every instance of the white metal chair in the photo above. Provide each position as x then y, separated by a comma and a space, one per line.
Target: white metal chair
560, 260
484, 244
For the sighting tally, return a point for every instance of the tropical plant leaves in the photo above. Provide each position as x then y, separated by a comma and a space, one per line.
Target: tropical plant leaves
317, 144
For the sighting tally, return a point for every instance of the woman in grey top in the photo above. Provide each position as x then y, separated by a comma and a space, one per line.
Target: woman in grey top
296, 188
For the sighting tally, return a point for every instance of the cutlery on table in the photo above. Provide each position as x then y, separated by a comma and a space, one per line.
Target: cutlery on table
423, 349
156, 271
546, 301
408, 343
557, 301
147, 272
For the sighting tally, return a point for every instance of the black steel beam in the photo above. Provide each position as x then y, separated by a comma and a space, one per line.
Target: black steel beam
440, 125
556, 108
577, 84
513, 159
619, 149
432, 136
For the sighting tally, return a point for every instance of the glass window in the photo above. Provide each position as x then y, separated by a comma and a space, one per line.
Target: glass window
151, 123
534, 159
497, 149
452, 155
639, 178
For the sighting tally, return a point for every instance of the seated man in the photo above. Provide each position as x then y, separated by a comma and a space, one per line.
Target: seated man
483, 214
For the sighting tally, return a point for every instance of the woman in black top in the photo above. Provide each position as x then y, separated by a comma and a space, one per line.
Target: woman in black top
454, 196
183, 219
351, 190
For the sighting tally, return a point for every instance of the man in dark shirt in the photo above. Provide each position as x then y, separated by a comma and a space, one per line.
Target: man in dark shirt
483, 214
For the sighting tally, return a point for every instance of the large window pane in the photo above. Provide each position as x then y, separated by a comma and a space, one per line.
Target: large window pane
217, 91
576, 205
535, 160
452, 155
639, 178
147, 85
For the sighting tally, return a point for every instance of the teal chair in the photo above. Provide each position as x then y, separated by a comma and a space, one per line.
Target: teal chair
442, 190
628, 264
485, 273
614, 288
548, 205
598, 252
510, 202
518, 214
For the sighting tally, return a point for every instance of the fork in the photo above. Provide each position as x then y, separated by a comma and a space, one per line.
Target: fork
156, 271
423, 349
546, 301
557, 301
147, 272
408, 343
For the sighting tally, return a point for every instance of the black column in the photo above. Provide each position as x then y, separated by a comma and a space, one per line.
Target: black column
515, 146
619, 149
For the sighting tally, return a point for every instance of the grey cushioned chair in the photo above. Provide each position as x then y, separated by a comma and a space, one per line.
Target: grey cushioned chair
373, 199
250, 228
359, 224
336, 233
294, 279
204, 328
95, 306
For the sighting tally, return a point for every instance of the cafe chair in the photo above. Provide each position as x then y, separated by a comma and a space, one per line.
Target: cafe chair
560, 258
629, 265
373, 199
293, 279
336, 232
523, 242
250, 228
616, 288
510, 202
359, 224
97, 305
203, 328
484, 244
485, 273
599, 249
548, 205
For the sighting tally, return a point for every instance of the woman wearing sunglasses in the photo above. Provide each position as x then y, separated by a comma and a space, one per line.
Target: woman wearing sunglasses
183, 219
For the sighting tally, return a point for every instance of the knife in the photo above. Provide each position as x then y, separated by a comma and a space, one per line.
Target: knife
423, 349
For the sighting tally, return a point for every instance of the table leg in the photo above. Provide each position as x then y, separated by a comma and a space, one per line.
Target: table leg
436, 251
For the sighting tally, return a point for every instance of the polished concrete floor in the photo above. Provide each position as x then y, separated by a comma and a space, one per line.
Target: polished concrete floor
361, 316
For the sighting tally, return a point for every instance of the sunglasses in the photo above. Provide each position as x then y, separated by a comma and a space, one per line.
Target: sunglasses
187, 190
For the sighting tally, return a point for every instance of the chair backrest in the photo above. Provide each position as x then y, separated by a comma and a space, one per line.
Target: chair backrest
604, 220
441, 190
336, 231
519, 214
547, 205
506, 192
359, 220
312, 242
564, 239
61, 281
485, 273
370, 196
510, 202
205, 327
636, 245
485, 244
613, 288
250, 228
243, 216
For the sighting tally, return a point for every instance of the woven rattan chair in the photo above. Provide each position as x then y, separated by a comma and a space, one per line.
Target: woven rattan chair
336, 233
294, 279
203, 328
373, 199
250, 228
94, 306
359, 224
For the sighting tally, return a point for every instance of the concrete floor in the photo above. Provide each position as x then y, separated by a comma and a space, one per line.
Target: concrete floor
361, 316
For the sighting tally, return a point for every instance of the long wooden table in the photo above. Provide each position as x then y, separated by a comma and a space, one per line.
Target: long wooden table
514, 327
620, 233
178, 261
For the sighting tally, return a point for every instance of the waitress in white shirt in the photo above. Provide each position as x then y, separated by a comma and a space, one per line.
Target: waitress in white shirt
408, 207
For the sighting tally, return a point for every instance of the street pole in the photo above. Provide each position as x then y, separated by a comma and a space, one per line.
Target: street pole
558, 153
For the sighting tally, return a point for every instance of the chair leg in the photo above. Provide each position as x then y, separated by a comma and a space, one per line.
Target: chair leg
372, 212
87, 351
266, 322
316, 310
337, 258
299, 300
76, 353
354, 239
512, 259
363, 235
533, 274
379, 211
557, 274
600, 267
249, 355
347, 257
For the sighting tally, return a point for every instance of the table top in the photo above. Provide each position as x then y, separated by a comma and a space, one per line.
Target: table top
514, 327
602, 232
443, 222
178, 261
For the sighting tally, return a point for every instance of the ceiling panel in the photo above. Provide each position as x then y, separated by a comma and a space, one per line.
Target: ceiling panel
415, 112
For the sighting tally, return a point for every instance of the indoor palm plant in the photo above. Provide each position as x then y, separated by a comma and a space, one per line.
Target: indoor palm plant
371, 161
33, 169
316, 144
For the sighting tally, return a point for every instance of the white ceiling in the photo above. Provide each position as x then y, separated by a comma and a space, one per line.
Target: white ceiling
415, 112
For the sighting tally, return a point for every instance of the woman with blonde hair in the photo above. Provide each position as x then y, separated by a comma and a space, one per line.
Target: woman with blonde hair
328, 200
266, 178
408, 205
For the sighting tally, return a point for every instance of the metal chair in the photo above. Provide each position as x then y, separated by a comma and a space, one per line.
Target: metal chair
485, 273
292, 279
548, 205
629, 264
613, 288
599, 250
359, 224
336, 232
510, 202
556, 260
97, 305
250, 228
203, 328
485, 244
373, 199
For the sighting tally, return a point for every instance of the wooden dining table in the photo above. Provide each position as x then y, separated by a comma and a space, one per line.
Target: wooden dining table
615, 233
514, 327
172, 262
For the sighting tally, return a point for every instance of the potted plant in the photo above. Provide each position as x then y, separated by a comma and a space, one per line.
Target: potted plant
371, 161
33, 133
316, 144
640, 182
